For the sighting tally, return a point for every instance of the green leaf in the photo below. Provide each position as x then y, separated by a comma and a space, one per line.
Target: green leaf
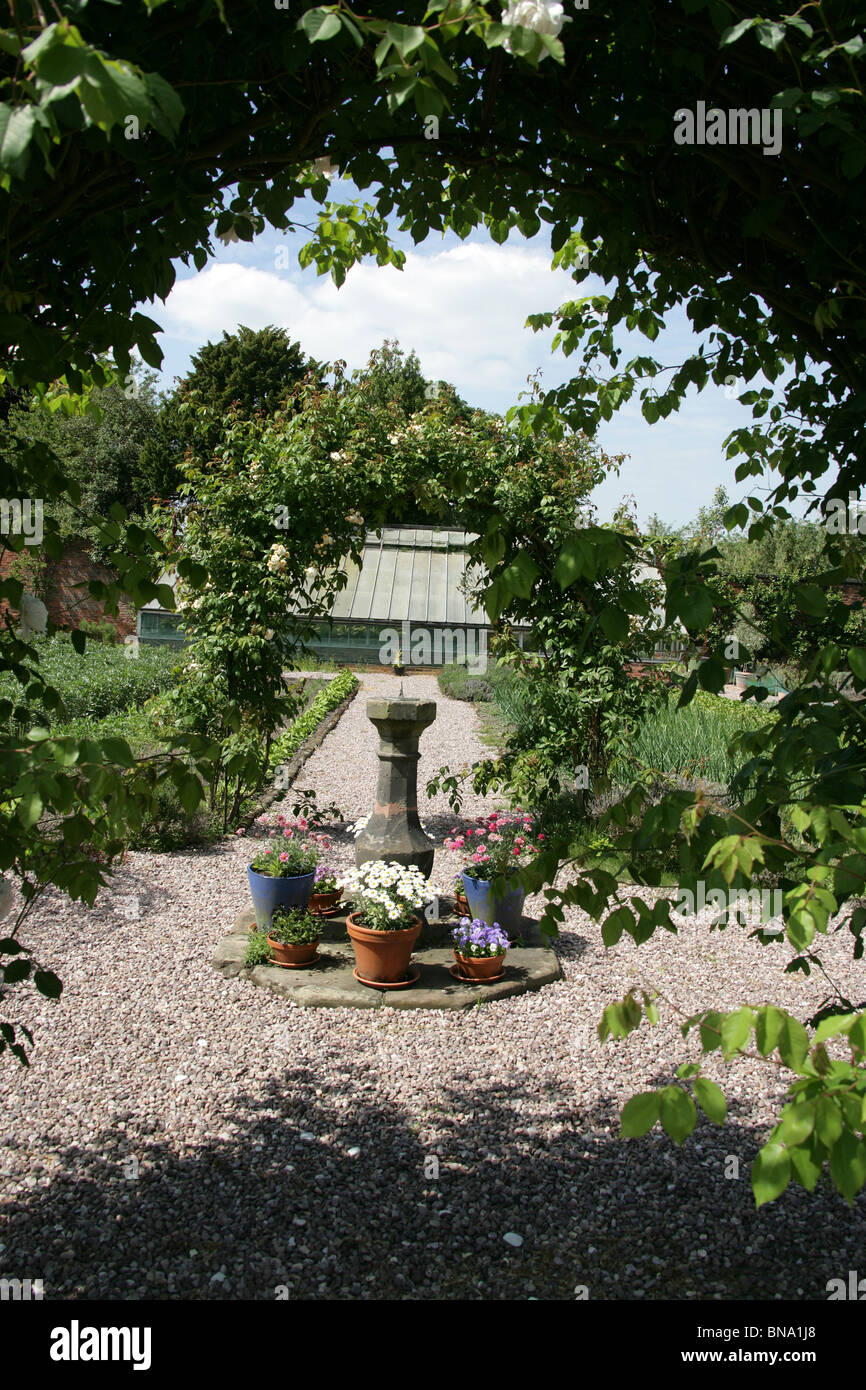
696, 609
796, 1123
117, 750
771, 1173
78, 640
828, 1121
811, 600
319, 25
771, 35
29, 808
848, 1165
857, 662
406, 38
736, 1029
640, 1114
735, 32
711, 1099
793, 1043
768, 1023
807, 1161
614, 623
615, 924
190, 793
17, 126
677, 1113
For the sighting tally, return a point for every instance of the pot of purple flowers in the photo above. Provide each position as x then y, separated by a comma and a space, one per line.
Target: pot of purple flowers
327, 890
281, 877
479, 950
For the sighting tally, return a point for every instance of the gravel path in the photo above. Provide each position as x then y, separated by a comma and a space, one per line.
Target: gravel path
185, 1136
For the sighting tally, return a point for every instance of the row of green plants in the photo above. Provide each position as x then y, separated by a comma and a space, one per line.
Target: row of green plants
694, 742
286, 744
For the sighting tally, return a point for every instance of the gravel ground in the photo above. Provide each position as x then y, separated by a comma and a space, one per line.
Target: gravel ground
179, 1135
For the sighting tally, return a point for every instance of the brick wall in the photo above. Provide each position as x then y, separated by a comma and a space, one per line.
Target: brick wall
68, 605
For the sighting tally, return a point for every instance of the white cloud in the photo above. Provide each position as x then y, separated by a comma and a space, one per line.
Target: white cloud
462, 310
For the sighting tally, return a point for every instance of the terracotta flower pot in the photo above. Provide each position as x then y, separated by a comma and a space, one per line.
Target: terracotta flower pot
480, 967
382, 956
461, 905
293, 955
320, 903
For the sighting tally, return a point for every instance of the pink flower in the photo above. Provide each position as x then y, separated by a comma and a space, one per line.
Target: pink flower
283, 857
288, 834
541, 837
272, 833
468, 833
515, 850
240, 830
520, 840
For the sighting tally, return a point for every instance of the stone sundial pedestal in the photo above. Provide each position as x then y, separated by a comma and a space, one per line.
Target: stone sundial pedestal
393, 831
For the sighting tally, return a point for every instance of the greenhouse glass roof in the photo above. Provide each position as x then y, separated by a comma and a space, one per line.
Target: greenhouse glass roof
409, 572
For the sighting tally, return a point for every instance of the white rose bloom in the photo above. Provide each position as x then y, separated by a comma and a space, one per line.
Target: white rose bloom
540, 16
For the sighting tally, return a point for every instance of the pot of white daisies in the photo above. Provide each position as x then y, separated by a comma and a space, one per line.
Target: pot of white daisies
385, 920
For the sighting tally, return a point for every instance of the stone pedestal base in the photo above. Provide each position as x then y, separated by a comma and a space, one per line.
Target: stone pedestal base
330, 984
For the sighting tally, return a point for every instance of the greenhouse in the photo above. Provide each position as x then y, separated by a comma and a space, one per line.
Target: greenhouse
406, 600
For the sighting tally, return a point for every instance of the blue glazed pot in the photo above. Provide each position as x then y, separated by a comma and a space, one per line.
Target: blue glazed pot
270, 893
506, 909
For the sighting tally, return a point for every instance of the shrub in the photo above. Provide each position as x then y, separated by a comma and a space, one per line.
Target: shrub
457, 681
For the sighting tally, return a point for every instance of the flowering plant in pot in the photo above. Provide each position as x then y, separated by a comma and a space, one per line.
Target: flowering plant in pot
479, 950
498, 848
281, 876
327, 889
293, 936
384, 923
460, 896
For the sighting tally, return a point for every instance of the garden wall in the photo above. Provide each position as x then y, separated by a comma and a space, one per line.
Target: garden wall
55, 583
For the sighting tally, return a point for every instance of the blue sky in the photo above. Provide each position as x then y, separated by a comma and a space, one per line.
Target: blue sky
462, 307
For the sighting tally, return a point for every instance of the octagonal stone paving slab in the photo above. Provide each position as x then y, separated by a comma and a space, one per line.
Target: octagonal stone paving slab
330, 984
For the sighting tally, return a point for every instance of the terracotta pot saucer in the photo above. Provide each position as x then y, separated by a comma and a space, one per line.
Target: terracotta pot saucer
414, 975
295, 965
473, 979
